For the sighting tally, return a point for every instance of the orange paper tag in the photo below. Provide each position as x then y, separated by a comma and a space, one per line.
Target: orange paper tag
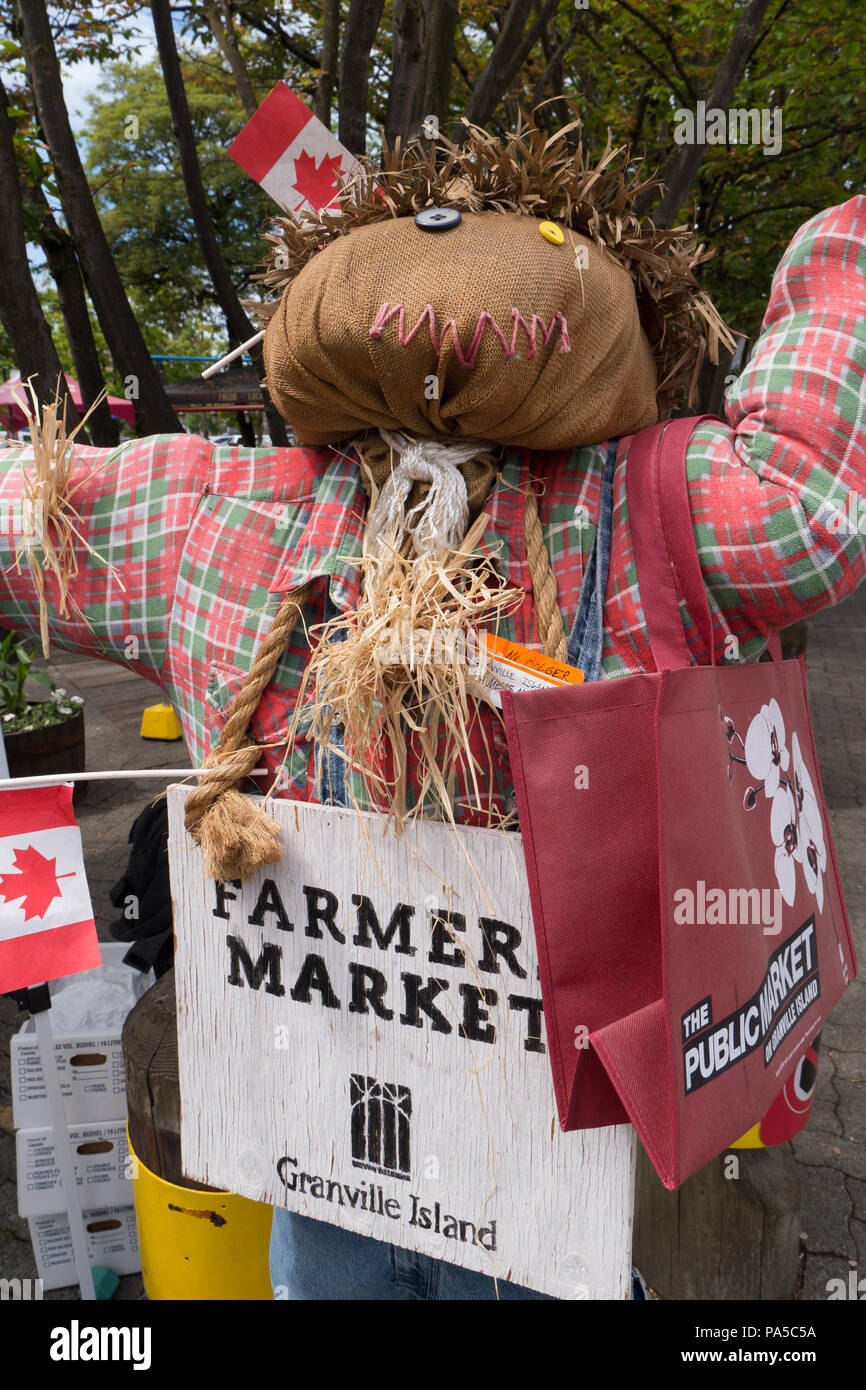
513, 667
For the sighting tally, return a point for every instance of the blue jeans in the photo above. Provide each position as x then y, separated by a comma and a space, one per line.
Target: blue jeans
312, 1261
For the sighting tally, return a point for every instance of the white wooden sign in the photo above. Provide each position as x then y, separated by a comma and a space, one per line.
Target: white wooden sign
361, 1040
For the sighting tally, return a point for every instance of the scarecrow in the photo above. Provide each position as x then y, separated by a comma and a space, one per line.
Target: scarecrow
466, 350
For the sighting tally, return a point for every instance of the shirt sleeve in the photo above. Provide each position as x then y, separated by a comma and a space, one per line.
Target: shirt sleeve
131, 508
778, 492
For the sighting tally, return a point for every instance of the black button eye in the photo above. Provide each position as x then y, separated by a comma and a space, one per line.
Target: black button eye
437, 219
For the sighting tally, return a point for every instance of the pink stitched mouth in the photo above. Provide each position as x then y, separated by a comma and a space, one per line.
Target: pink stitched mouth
485, 320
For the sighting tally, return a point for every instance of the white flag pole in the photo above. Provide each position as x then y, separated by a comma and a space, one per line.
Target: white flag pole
230, 356
57, 779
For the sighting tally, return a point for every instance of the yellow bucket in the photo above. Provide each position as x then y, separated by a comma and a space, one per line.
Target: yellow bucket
199, 1245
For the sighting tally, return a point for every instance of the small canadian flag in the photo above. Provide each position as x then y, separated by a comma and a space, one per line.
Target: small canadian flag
46, 918
291, 154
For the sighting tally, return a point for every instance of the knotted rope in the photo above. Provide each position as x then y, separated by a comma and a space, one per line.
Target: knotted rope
553, 635
443, 515
236, 836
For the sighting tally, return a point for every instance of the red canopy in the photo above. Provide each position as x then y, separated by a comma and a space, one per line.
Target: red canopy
15, 419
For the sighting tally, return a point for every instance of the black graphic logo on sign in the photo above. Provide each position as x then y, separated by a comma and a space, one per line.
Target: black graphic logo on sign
380, 1125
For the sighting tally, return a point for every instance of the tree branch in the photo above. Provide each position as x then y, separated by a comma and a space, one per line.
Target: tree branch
222, 28
668, 43
554, 61
509, 54
680, 170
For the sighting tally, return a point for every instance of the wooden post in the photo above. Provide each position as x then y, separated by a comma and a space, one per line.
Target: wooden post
721, 1237
152, 1092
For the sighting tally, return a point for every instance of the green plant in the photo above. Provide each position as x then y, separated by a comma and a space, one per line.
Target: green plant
18, 714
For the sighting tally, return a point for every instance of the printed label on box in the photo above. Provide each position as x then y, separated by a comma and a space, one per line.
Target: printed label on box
112, 1238
91, 1073
102, 1167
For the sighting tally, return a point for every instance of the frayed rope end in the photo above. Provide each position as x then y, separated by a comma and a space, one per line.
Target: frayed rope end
237, 837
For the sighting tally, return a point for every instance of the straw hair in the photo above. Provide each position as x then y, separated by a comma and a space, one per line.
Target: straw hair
51, 539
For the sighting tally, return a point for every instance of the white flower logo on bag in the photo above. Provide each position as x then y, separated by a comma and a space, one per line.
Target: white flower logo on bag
796, 827
783, 829
766, 754
814, 850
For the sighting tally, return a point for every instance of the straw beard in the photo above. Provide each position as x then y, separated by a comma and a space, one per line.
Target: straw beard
404, 669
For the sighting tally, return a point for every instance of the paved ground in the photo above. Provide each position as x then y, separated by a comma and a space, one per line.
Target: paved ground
831, 1151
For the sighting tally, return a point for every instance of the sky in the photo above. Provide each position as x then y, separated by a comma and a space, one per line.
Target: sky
81, 80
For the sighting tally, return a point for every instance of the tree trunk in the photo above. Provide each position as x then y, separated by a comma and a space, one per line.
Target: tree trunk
238, 323
327, 61
359, 35
512, 48
679, 171
122, 333
222, 28
404, 96
66, 273
442, 24
20, 309
555, 46
245, 429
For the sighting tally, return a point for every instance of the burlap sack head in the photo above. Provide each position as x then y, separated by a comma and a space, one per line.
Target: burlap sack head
486, 330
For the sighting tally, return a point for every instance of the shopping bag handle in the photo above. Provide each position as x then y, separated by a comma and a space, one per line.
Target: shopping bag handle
663, 538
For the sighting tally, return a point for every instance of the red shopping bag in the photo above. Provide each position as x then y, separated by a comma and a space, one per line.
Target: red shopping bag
692, 934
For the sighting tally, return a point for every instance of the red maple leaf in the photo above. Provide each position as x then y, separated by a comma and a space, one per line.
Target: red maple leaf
317, 184
35, 880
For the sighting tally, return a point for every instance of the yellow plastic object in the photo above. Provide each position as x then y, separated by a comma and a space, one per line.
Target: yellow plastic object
552, 233
200, 1245
751, 1139
160, 721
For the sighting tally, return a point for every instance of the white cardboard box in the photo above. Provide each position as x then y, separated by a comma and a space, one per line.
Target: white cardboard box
92, 1079
111, 1235
102, 1168
89, 1062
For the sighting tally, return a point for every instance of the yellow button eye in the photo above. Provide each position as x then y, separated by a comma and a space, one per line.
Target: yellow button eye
552, 233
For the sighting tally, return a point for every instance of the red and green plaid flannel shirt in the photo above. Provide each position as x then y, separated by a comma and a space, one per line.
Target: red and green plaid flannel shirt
199, 542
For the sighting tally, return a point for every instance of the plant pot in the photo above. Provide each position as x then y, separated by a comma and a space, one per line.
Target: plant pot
54, 748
